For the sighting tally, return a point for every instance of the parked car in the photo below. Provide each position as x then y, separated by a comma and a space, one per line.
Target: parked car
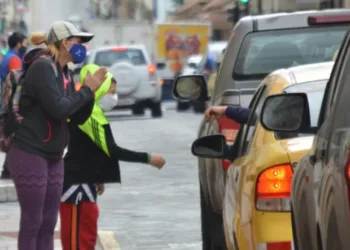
258, 182
321, 183
138, 86
191, 65
260, 44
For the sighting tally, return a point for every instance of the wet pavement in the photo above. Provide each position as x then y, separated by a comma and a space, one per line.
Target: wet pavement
152, 209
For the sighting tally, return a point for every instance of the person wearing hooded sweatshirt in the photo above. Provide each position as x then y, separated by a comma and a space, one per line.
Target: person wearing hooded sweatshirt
91, 160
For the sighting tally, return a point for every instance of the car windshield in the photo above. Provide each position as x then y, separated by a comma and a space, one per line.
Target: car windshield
109, 57
265, 51
314, 91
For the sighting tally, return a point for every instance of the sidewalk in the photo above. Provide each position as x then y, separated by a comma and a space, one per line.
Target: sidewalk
9, 222
7, 191
9, 218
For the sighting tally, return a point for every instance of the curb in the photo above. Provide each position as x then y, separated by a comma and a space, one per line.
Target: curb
107, 240
7, 191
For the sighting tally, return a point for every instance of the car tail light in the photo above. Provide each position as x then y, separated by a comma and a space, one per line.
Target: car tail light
229, 129
118, 49
152, 70
273, 188
314, 20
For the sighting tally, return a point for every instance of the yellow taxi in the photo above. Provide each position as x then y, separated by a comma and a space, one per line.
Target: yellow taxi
256, 209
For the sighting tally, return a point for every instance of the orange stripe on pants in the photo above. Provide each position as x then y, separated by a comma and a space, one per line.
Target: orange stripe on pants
79, 225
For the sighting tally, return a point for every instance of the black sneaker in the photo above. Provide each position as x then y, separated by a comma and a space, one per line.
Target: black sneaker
5, 175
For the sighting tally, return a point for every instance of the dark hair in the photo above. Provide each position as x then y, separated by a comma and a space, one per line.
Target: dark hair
15, 38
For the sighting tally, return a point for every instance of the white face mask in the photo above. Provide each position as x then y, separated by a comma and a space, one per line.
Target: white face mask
108, 102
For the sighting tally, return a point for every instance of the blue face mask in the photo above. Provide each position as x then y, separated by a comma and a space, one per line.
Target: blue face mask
78, 52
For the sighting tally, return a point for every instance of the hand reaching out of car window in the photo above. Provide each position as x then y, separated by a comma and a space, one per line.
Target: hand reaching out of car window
214, 113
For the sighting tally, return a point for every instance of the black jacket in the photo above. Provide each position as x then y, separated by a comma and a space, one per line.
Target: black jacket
85, 162
45, 106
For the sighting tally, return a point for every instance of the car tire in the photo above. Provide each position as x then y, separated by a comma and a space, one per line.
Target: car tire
138, 110
182, 106
199, 107
156, 110
213, 237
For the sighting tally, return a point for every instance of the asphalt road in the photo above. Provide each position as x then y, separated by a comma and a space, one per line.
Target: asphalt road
153, 209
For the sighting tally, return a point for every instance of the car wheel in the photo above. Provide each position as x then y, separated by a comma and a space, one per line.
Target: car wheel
156, 109
213, 237
182, 106
199, 107
138, 110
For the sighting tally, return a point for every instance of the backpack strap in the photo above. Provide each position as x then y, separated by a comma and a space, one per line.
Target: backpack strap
53, 64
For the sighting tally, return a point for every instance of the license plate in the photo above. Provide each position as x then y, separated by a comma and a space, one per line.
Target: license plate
125, 102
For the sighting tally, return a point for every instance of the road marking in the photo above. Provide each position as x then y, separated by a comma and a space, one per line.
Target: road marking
108, 240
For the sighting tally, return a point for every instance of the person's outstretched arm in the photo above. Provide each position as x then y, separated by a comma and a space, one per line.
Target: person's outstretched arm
118, 153
236, 113
43, 81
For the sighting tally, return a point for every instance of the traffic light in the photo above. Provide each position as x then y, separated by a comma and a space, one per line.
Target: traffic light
244, 1
4, 51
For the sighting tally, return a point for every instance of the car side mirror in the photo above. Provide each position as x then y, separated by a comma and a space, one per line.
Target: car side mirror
286, 113
191, 88
160, 65
212, 146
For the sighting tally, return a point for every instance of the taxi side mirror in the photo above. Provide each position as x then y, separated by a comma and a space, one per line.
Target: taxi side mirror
286, 113
212, 146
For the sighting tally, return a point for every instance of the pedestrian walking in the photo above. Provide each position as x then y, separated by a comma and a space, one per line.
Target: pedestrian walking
48, 99
92, 160
17, 43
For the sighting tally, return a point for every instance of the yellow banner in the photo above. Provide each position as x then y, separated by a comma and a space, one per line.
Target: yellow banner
177, 42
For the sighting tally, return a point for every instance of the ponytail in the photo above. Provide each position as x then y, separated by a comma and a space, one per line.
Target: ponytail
52, 48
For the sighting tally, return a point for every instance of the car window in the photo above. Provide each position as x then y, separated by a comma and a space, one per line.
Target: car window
315, 92
250, 127
109, 57
265, 51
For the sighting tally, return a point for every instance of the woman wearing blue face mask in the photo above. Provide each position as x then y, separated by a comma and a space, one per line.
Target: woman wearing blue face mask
91, 160
48, 99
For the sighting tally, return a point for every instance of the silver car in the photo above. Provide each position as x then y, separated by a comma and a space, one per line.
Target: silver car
138, 86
